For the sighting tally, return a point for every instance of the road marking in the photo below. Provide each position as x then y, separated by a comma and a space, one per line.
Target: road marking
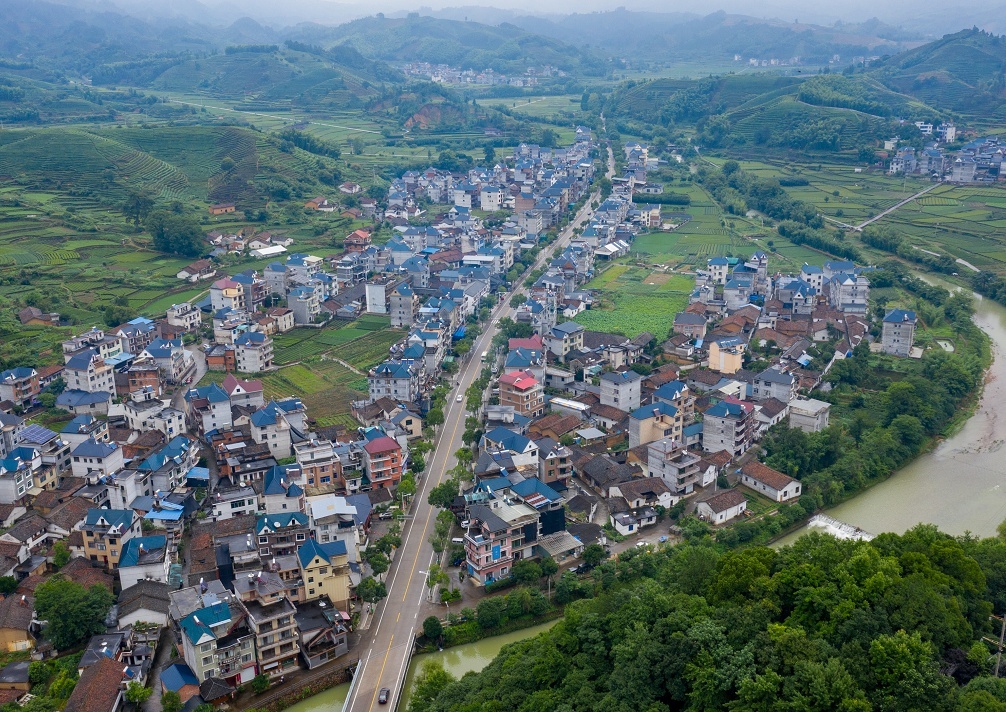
398, 617
473, 369
381, 674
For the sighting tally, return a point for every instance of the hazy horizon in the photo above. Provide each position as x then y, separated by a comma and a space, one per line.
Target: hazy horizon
926, 18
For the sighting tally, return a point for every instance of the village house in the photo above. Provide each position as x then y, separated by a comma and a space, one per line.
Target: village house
764, 480
722, 507
897, 338
728, 425
522, 390
810, 415
621, 389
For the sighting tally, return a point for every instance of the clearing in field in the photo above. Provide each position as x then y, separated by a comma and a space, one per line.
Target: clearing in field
657, 278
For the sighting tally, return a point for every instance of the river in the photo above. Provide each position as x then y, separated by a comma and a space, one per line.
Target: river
457, 661
961, 484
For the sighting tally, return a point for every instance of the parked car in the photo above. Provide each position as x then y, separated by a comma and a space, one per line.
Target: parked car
664, 539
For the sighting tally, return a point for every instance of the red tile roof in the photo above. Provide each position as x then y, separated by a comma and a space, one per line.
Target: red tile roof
381, 444
98, 688
766, 475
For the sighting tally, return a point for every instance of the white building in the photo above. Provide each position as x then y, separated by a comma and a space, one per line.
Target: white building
764, 480
810, 415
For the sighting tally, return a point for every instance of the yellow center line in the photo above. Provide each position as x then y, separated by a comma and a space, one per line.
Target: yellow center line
429, 514
381, 674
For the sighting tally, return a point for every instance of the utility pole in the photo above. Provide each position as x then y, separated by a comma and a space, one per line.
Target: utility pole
997, 643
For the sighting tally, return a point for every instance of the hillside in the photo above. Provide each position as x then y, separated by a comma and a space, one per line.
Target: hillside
891, 624
963, 72
505, 48
283, 76
646, 36
184, 163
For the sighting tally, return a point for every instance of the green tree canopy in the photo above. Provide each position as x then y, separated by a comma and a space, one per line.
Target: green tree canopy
176, 234
72, 613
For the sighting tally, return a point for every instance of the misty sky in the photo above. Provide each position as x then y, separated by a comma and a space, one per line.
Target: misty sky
930, 16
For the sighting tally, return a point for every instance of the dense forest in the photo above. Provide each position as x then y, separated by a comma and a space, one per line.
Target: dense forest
893, 624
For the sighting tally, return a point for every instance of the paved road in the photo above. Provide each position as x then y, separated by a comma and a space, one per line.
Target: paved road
859, 228
384, 664
199, 356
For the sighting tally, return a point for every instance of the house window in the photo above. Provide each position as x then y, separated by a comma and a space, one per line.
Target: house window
323, 570
207, 660
205, 648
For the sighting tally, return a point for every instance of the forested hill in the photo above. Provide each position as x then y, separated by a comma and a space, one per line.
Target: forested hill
964, 72
505, 48
893, 624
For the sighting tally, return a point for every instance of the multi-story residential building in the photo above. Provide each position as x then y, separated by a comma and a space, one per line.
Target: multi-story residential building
810, 415
272, 425
226, 293
142, 376
382, 462
729, 425
898, 332
106, 346
283, 319
496, 539
726, 354
11, 427
774, 383
621, 389
208, 408
280, 491
149, 413
234, 502
270, 616
562, 339
305, 302
87, 371
106, 532
404, 304
217, 642
17, 475
654, 422
555, 462
325, 571
398, 380
92, 459
185, 316
19, 385
135, 335
173, 361
144, 558
279, 534
53, 450
522, 390
849, 293
169, 465
318, 462
253, 352
691, 325
677, 466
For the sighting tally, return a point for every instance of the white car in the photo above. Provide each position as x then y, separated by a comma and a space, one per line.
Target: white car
458, 398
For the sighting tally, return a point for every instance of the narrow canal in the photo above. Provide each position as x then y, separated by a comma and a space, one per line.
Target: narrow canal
457, 661
961, 484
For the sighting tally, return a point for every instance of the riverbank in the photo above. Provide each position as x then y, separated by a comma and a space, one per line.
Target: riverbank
958, 483
462, 659
473, 633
